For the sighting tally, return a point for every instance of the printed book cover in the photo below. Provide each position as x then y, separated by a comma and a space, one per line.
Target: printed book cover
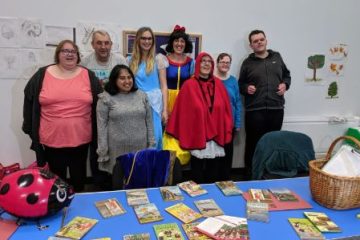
192, 188
322, 222
262, 195
109, 208
183, 213
168, 231
147, 213
137, 197
283, 194
8, 227
228, 188
277, 205
191, 232
208, 208
305, 229
233, 220
77, 228
171, 193
137, 236
257, 211
256, 194
224, 229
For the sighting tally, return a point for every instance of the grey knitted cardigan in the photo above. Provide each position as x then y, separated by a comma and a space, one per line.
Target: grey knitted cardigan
124, 124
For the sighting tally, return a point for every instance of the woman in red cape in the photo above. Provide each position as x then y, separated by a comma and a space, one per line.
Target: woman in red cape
202, 121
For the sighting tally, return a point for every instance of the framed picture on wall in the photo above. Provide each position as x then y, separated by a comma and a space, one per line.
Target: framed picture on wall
161, 39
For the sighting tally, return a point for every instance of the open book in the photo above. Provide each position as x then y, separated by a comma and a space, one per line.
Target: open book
224, 228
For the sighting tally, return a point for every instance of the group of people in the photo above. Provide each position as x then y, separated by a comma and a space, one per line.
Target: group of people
105, 105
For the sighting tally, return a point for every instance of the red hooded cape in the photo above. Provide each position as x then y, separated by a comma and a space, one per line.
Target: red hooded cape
191, 121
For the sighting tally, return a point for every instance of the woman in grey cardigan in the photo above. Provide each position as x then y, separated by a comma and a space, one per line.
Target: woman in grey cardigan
124, 119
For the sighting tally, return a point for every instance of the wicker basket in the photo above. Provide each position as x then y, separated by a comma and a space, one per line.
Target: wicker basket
332, 191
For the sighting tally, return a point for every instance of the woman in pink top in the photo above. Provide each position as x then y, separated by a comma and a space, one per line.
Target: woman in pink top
60, 114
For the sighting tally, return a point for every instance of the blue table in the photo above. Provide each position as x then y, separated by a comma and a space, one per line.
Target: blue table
115, 227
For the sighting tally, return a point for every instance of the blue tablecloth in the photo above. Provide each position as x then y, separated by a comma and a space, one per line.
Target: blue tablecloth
278, 228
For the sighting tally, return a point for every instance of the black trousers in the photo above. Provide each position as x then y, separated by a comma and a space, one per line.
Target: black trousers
225, 163
257, 123
210, 170
74, 158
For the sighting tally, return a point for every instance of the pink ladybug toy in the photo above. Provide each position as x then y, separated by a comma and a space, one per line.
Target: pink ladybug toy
34, 193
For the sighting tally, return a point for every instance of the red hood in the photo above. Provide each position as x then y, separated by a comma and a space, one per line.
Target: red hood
197, 64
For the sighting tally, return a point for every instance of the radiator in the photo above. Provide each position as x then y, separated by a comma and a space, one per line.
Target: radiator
322, 130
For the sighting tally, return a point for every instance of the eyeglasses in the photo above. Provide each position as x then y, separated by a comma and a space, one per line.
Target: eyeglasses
204, 61
146, 38
68, 51
225, 63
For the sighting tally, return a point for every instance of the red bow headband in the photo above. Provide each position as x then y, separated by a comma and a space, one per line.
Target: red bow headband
177, 28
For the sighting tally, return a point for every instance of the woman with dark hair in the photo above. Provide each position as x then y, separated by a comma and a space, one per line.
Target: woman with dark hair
124, 118
181, 66
60, 114
150, 77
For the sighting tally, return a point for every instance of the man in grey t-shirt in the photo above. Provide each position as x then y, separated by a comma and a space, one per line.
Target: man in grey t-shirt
102, 61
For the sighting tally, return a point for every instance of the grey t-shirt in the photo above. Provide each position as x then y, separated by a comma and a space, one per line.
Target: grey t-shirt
102, 71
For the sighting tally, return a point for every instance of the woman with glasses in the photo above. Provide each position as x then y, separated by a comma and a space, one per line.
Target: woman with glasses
60, 114
150, 76
223, 64
202, 121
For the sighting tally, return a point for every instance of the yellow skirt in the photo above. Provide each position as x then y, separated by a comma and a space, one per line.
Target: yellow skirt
172, 144
172, 95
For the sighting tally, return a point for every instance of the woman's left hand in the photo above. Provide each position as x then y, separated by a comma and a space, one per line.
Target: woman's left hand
164, 117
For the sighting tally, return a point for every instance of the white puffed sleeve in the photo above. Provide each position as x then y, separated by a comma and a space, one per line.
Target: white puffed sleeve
161, 61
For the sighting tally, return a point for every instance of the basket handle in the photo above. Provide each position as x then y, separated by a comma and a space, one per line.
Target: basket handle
332, 146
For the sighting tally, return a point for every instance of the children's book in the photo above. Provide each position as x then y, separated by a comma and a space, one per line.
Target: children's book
192, 233
192, 188
137, 236
257, 211
171, 193
256, 194
208, 208
232, 219
60, 238
168, 231
322, 222
283, 194
305, 229
8, 227
228, 188
275, 204
137, 197
261, 195
183, 212
110, 207
77, 228
224, 229
147, 213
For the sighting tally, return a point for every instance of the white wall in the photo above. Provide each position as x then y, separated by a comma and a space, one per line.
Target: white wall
295, 28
